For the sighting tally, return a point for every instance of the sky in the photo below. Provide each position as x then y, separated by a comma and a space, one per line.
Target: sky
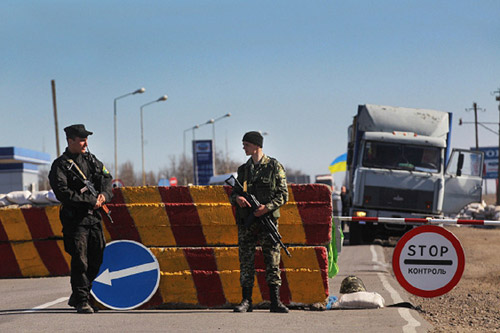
294, 69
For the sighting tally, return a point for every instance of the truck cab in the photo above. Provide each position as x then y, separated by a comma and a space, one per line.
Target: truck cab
398, 166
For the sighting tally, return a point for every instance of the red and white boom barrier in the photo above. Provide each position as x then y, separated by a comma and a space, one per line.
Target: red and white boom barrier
411, 220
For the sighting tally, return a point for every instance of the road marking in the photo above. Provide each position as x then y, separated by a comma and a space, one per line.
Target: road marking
46, 305
107, 276
412, 323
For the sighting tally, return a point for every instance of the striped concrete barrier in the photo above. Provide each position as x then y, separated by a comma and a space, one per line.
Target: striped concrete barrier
180, 216
209, 277
38, 258
185, 227
26, 224
203, 216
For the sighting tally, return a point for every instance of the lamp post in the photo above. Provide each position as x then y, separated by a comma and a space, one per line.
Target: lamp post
162, 98
138, 91
212, 121
184, 136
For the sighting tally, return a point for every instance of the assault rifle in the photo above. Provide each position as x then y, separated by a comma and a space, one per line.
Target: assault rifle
90, 187
264, 220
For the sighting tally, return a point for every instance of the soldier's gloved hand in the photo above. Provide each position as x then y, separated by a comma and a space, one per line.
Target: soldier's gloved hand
242, 202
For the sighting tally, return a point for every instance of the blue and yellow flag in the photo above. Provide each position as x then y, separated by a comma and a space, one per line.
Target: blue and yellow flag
338, 164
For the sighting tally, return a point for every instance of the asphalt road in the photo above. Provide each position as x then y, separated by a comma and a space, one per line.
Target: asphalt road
29, 305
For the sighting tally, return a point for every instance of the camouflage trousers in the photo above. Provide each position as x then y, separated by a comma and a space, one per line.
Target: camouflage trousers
247, 241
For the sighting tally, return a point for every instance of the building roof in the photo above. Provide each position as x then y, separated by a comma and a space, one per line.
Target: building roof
21, 155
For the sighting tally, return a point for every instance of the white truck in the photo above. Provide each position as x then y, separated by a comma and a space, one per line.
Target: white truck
399, 165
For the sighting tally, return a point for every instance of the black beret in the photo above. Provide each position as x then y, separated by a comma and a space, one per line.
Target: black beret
254, 137
77, 130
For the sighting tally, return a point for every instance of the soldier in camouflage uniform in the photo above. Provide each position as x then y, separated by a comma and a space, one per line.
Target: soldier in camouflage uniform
264, 177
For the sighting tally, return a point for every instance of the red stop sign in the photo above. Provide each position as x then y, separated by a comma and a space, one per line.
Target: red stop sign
173, 181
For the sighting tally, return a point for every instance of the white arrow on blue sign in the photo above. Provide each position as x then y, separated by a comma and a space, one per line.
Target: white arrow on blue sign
129, 276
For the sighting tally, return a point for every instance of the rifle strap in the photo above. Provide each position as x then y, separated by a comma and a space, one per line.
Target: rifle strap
77, 168
245, 186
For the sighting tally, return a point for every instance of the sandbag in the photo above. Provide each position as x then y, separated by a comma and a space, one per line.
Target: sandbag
360, 300
3, 200
40, 198
51, 196
19, 197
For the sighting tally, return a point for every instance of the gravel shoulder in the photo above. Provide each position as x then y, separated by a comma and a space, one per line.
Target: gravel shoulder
474, 304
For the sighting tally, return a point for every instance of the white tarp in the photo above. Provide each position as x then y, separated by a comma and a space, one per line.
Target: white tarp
378, 118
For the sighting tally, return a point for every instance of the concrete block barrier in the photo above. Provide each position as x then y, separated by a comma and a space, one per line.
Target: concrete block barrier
203, 216
193, 233
38, 258
209, 277
26, 224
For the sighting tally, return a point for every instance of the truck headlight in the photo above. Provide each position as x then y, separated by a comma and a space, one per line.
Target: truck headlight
360, 213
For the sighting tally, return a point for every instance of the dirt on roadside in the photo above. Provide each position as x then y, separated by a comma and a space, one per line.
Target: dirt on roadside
474, 304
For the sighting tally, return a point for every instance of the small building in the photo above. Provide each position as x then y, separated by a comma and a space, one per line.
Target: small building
19, 168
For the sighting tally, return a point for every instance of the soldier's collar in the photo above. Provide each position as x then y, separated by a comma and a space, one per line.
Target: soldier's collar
264, 160
70, 154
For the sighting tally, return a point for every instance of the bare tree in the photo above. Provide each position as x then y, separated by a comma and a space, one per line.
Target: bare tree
151, 179
127, 175
224, 164
182, 169
43, 178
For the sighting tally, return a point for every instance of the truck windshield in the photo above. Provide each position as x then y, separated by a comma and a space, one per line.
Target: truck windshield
403, 157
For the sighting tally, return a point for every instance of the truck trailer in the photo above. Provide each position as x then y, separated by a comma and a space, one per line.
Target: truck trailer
399, 164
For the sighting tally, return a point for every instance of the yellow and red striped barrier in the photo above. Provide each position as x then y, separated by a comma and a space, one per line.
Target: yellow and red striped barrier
203, 216
209, 277
38, 258
192, 231
181, 216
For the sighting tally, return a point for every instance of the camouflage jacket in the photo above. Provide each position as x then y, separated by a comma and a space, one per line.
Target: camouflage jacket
267, 181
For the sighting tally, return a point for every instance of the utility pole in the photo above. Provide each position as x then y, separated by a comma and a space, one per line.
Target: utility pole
475, 108
497, 98
55, 116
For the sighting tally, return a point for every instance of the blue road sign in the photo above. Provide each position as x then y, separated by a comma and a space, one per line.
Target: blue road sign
203, 162
490, 162
129, 276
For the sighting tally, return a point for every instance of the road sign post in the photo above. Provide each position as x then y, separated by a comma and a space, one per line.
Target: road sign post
428, 261
129, 276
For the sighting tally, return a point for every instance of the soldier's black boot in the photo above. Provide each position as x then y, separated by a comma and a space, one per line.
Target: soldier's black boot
246, 303
276, 305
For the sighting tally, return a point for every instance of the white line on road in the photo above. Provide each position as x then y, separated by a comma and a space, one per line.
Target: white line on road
396, 298
46, 305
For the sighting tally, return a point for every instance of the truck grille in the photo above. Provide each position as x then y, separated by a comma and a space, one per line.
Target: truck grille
398, 199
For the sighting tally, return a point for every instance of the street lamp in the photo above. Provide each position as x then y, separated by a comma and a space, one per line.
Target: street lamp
212, 121
138, 91
161, 99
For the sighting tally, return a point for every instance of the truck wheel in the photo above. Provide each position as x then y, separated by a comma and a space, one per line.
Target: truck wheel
355, 234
